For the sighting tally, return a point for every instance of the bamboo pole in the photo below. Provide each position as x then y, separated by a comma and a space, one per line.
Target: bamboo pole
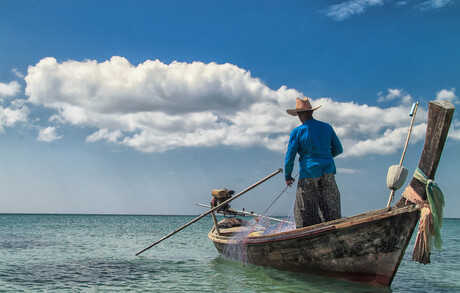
252, 214
212, 210
392, 193
216, 224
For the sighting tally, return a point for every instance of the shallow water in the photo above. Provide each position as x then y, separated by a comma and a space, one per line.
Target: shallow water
68, 253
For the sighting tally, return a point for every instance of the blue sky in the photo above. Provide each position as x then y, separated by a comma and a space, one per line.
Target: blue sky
144, 107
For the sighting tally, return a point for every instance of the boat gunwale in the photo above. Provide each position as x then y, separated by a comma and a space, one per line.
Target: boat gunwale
320, 228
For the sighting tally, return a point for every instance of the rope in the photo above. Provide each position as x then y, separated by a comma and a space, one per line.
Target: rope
431, 215
436, 201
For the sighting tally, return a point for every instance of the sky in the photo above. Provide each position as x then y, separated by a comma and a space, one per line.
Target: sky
144, 107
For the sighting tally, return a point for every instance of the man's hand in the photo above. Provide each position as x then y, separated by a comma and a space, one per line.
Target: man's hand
289, 182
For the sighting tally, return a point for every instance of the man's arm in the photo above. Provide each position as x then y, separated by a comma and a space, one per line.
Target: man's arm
292, 148
336, 146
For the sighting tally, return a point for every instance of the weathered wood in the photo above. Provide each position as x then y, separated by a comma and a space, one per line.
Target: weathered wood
365, 248
440, 115
216, 224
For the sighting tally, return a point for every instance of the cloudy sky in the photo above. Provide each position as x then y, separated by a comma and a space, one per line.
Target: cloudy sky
144, 107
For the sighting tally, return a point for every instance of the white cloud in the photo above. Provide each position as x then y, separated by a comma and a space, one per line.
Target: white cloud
48, 134
164, 105
434, 4
155, 107
385, 144
366, 130
447, 95
105, 134
17, 73
394, 94
16, 112
9, 89
347, 9
56, 118
454, 131
348, 171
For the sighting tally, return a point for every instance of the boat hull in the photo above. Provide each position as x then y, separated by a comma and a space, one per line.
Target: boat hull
365, 248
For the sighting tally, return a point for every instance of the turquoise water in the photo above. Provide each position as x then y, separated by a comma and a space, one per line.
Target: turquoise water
73, 253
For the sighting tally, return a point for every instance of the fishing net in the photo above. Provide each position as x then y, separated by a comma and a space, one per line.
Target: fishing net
277, 218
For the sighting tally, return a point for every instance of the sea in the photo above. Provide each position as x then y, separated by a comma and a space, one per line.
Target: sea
96, 253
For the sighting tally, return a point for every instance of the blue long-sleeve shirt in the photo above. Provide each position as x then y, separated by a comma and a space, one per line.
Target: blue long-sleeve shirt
317, 145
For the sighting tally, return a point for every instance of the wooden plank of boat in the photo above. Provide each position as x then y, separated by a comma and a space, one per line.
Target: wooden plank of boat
361, 248
365, 248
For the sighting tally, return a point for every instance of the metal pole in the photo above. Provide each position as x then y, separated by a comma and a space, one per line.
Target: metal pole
412, 113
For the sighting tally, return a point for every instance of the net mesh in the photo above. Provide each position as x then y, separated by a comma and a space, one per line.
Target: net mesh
270, 222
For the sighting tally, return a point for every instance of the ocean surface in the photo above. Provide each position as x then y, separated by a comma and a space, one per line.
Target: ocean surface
96, 253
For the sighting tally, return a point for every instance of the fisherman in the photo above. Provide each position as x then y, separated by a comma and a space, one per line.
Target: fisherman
317, 145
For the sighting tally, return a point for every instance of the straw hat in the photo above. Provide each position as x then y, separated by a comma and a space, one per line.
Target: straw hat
301, 106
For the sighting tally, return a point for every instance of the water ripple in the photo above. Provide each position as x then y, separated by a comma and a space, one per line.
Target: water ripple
70, 253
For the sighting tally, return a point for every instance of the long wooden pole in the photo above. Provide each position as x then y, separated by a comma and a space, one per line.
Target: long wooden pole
211, 210
404, 151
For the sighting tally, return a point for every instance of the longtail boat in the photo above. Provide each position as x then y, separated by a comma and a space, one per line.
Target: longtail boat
365, 248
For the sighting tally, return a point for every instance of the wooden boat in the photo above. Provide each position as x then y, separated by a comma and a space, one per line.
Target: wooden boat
364, 248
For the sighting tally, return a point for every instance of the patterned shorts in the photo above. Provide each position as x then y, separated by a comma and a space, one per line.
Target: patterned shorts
317, 200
